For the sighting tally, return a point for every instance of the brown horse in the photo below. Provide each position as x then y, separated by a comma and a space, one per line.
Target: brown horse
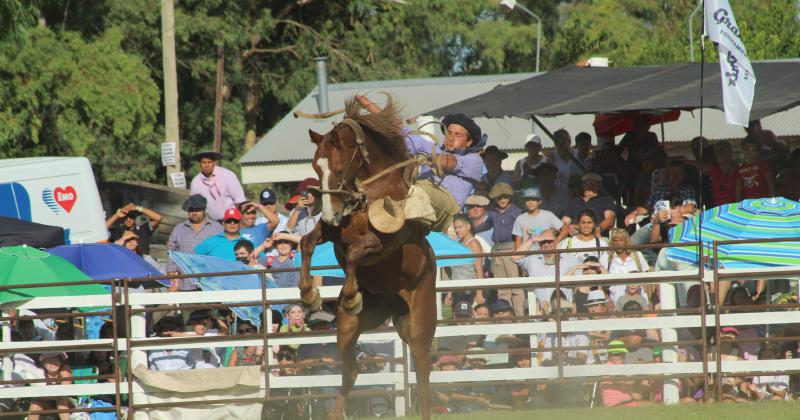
387, 275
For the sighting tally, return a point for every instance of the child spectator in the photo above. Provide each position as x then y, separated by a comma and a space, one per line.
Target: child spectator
295, 321
621, 393
285, 246
57, 372
178, 359
585, 239
246, 355
767, 387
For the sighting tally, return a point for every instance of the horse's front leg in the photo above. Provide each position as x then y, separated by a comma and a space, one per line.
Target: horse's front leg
351, 299
308, 292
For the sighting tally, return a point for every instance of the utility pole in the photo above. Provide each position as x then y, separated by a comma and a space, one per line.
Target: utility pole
172, 134
218, 100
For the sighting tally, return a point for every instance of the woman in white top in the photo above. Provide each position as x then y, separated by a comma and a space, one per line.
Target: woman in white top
466, 235
624, 261
583, 242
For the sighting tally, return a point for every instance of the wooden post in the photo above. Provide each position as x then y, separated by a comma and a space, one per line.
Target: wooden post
218, 100
171, 127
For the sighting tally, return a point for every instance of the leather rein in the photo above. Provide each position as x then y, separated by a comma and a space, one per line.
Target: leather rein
355, 199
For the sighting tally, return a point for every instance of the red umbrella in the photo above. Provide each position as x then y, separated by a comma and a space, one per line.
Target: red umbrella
610, 125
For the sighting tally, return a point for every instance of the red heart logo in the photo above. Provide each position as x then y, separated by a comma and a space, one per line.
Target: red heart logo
65, 197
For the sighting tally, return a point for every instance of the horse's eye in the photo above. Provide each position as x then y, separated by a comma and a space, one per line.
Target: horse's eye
335, 141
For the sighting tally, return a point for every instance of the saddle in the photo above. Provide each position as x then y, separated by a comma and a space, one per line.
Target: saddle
389, 216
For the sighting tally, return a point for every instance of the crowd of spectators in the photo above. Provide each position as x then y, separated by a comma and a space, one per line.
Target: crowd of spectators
575, 199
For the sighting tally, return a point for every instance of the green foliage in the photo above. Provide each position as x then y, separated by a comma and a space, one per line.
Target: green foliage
89, 81
16, 17
60, 95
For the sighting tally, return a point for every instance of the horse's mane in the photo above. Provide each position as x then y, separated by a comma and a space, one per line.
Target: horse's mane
386, 125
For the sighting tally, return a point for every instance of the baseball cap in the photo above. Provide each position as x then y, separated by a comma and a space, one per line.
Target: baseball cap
234, 214
543, 166
448, 359
501, 189
617, 347
595, 297
730, 330
304, 184
533, 139
591, 176
477, 200
267, 196
532, 192
565, 306
501, 305
462, 309
195, 201
292, 202
625, 300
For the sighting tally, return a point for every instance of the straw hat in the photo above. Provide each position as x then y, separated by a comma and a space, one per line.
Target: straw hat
386, 215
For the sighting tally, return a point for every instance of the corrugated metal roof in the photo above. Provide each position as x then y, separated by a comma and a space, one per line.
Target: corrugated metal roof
288, 141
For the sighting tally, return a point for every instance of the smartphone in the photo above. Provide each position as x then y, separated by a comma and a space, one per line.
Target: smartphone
661, 205
304, 194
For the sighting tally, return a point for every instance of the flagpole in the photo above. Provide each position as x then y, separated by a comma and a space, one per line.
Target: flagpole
700, 203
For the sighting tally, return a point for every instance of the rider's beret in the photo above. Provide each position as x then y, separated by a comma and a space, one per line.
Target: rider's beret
464, 121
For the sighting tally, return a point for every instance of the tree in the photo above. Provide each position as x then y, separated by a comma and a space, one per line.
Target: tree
60, 95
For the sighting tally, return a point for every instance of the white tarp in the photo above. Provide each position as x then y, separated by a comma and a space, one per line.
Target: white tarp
738, 79
200, 385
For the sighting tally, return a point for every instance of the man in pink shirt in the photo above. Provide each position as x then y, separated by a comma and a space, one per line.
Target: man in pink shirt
218, 185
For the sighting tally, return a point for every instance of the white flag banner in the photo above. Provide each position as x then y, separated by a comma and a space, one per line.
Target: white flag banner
738, 79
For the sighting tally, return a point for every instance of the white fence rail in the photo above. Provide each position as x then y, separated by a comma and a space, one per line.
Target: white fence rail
397, 379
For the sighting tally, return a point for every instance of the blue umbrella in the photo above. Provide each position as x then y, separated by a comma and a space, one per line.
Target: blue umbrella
775, 217
442, 246
105, 261
199, 264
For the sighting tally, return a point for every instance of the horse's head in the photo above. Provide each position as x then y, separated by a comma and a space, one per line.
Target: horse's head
337, 160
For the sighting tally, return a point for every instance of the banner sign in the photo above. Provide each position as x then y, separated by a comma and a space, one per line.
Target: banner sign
738, 79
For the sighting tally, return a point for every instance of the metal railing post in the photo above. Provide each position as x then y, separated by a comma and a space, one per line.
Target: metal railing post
671, 387
115, 351
266, 329
720, 300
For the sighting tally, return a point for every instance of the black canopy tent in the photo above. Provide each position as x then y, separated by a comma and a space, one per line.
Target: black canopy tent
602, 90
21, 232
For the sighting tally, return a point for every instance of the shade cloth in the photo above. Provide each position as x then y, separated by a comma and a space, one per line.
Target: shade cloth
598, 90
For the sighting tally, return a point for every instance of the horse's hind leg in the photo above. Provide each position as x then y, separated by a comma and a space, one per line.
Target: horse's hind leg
308, 292
417, 329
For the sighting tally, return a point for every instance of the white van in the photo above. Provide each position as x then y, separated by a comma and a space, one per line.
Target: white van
55, 191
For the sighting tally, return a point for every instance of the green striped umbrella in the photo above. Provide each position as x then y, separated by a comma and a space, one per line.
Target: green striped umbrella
27, 265
763, 218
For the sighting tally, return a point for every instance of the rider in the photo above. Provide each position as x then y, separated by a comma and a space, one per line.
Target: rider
457, 166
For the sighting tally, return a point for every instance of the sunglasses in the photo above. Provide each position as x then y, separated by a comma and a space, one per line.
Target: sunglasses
232, 222
250, 212
246, 330
546, 242
473, 206
196, 210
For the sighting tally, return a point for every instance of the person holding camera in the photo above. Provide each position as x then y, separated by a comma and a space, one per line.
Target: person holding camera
126, 216
304, 215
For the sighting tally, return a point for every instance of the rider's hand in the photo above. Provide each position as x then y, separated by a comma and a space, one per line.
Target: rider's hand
444, 164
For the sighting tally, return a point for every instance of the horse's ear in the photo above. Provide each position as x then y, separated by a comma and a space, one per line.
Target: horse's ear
316, 138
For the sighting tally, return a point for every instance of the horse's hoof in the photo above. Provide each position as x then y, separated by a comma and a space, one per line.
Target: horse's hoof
353, 306
312, 299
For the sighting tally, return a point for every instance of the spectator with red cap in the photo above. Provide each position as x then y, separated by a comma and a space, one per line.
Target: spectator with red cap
221, 245
218, 185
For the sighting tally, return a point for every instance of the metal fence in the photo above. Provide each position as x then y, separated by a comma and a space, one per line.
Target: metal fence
399, 381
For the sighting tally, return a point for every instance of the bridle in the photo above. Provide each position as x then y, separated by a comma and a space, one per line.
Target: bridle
353, 200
